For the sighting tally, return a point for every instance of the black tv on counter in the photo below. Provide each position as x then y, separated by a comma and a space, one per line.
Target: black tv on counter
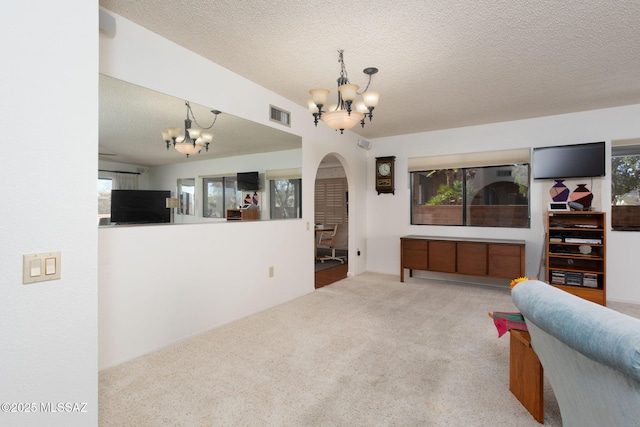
140, 206
248, 181
569, 161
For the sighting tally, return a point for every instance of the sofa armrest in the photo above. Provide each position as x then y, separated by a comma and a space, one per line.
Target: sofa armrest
597, 332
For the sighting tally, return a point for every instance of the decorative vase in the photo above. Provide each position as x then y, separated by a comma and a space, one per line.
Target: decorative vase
559, 192
582, 195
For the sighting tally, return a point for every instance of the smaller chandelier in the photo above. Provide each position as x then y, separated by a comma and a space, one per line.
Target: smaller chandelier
348, 112
194, 139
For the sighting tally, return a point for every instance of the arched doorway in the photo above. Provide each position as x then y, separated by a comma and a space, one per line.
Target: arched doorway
331, 197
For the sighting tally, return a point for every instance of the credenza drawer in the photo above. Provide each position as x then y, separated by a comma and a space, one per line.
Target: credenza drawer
504, 250
421, 245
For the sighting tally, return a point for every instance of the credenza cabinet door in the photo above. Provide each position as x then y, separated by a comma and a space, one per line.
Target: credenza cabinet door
442, 256
472, 258
505, 261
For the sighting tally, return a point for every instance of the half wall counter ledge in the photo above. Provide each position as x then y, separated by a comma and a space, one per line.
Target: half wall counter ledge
497, 258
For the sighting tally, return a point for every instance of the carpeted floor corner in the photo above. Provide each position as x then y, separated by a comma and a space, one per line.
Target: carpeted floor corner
365, 351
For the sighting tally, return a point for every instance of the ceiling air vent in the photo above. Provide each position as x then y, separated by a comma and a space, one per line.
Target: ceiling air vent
279, 116
503, 172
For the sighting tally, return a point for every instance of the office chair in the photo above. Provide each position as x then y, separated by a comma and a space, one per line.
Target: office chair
327, 239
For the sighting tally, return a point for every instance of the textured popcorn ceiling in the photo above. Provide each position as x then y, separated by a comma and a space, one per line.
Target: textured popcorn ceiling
443, 63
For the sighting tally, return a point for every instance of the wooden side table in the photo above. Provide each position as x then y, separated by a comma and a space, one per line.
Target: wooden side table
526, 374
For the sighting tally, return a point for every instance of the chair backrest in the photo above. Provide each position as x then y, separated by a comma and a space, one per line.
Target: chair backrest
327, 238
341, 240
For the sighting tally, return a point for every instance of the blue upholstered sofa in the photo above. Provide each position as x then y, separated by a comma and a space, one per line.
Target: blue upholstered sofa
590, 355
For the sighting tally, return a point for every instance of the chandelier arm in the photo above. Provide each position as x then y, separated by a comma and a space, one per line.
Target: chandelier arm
204, 127
367, 87
193, 116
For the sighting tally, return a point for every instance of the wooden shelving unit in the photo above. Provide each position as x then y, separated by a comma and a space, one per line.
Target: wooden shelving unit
576, 254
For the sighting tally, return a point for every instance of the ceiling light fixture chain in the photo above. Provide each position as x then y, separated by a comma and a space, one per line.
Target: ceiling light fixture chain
194, 139
193, 116
342, 116
343, 72
343, 68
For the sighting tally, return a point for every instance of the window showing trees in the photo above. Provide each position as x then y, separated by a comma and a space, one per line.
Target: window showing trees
490, 196
104, 200
219, 194
285, 198
625, 188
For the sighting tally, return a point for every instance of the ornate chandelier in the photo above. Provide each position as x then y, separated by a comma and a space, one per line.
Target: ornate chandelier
193, 140
347, 112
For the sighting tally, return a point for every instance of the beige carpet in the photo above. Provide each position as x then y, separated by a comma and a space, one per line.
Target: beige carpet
365, 351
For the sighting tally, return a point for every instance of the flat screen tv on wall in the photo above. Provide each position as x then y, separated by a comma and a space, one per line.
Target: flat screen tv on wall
569, 161
248, 181
140, 206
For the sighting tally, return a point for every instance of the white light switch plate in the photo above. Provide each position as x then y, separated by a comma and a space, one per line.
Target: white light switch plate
41, 267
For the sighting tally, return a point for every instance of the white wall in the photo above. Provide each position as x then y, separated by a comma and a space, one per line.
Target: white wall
160, 284
49, 90
388, 216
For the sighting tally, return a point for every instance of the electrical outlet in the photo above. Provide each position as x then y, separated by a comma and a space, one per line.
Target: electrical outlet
271, 271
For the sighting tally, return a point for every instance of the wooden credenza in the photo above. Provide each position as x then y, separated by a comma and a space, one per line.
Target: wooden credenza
242, 214
503, 259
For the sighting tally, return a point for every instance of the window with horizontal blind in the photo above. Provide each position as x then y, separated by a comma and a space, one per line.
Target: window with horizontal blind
625, 185
484, 195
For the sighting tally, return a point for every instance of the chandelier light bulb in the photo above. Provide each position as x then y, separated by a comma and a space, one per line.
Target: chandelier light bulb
349, 91
173, 132
371, 99
360, 107
313, 108
319, 96
194, 133
207, 137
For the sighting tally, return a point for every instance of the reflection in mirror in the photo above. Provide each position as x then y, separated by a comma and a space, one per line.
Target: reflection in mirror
132, 119
219, 194
130, 125
286, 195
187, 196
